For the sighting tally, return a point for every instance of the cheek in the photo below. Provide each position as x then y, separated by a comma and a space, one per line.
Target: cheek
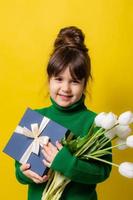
79, 91
53, 88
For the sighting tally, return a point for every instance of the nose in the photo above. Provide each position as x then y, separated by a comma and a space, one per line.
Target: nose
66, 87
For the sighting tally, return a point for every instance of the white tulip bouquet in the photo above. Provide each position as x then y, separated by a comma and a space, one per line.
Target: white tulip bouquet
106, 128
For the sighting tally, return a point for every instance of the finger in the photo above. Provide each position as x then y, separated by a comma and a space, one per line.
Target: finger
41, 180
52, 147
45, 178
36, 176
47, 150
32, 175
59, 145
37, 181
46, 155
25, 167
46, 163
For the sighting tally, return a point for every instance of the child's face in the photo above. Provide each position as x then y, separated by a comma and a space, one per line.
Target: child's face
65, 90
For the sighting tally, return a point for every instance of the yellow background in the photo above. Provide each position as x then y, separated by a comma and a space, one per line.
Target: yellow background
27, 31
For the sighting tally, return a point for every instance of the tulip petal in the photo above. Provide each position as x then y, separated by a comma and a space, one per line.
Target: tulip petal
126, 118
126, 169
129, 141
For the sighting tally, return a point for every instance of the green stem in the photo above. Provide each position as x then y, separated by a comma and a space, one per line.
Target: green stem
106, 142
50, 180
105, 161
59, 191
84, 148
108, 148
56, 187
89, 142
92, 128
103, 141
49, 187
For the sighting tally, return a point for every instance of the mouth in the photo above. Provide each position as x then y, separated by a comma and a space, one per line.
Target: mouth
65, 97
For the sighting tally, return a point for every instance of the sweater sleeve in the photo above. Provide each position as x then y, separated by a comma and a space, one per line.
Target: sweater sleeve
87, 172
20, 176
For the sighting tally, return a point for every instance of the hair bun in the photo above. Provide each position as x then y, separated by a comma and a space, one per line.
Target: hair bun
70, 37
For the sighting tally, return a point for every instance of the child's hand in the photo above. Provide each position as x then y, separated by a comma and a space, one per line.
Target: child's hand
32, 175
50, 151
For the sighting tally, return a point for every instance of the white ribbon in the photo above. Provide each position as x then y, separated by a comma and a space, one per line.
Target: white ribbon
37, 140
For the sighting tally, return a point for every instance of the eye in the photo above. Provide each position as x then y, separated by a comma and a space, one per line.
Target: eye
75, 81
59, 79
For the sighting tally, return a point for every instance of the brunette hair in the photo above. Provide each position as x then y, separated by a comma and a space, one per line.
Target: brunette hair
70, 51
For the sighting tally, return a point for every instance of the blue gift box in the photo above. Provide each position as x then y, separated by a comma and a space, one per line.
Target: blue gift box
21, 140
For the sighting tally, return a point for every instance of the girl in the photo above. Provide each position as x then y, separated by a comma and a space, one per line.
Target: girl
69, 69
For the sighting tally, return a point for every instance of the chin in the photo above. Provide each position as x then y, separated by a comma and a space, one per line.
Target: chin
64, 104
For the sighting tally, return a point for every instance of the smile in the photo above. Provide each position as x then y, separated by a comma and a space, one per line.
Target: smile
65, 97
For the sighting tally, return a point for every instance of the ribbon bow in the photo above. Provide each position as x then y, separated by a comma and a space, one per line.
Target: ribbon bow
37, 140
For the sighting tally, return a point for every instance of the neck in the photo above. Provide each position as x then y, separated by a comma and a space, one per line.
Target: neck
74, 107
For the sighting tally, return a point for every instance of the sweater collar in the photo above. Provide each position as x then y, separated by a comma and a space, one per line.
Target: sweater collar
72, 108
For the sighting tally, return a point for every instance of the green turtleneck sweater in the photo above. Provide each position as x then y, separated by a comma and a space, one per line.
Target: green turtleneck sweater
84, 175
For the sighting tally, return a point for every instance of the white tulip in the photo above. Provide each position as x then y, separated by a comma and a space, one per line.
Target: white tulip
122, 144
99, 118
129, 141
109, 121
110, 133
125, 118
126, 169
122, 131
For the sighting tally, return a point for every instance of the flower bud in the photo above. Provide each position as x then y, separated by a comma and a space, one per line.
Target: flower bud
122, 131
126, 169
109, 121
121, 143
125, 118
99, 118
129, 141
110, 134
